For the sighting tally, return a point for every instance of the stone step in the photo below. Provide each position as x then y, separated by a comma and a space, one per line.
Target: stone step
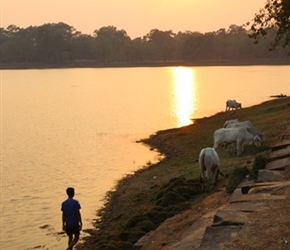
266, 175
216, 237
280, 153
280, 164
230, 218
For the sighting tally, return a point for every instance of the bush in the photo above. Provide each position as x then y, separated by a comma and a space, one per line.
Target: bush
259, 163
236, 177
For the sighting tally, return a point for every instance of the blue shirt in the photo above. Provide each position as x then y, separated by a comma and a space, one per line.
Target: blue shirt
70, 208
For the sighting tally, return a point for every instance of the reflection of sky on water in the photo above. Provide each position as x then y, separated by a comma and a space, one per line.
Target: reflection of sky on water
184, 93
51, 128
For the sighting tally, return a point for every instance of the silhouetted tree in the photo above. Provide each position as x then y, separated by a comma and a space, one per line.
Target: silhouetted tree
52, 43
138, 50
82, 47
61, 44
274, 16
162, 44
189, 45
111, 45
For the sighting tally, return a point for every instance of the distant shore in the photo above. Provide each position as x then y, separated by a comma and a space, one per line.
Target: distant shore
94, 64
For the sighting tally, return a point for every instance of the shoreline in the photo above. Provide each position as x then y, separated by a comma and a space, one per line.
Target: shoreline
93, 64
124, 216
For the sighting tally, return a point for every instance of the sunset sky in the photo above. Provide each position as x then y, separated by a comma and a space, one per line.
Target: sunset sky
136, 17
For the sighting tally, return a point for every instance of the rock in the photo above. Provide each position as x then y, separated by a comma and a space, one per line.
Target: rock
280, 164
279, 153
216, 237
230, 217
192, 238
269, 175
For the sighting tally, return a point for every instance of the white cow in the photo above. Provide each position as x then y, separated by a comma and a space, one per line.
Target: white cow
229, 122
208, 163
232, 104
241, 136
235, 123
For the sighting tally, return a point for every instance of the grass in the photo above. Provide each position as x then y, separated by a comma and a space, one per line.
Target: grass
143, 200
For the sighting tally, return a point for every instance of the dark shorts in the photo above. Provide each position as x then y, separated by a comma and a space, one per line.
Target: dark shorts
73, 231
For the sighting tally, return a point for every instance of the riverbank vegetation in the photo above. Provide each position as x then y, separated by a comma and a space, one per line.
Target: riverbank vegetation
142, 201
60, 45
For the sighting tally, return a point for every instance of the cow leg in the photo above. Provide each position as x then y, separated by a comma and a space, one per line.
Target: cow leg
206, 188
216, 174
207, 179
239, 150
243, 147
204, 181
201, 178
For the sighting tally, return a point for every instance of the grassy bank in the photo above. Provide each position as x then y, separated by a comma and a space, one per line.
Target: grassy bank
142, 201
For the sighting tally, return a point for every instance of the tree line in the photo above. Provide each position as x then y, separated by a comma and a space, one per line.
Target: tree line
61, 44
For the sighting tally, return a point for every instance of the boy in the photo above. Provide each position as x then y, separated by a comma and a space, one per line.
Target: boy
71, 218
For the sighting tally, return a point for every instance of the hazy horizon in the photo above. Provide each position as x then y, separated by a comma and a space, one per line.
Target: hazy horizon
136, 18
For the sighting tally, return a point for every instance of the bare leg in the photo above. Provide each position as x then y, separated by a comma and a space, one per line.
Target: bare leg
70, 237
73, 242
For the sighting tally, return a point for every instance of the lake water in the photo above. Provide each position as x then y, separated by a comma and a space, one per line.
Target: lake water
78, 127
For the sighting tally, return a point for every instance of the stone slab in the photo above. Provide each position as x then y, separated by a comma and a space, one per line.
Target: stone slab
286, 138
266, 175
245, 206
254, 197
271, 184
283, 152
192, 237
216, 237
278, 164
285, 141
230, 217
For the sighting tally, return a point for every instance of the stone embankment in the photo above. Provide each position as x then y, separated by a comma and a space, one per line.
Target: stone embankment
223, 225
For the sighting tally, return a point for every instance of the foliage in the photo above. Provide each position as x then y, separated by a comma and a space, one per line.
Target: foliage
259, 163
236, 177
274, 16
239, 174
60, 44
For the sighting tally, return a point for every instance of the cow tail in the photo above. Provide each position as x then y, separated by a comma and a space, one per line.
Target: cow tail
202, 168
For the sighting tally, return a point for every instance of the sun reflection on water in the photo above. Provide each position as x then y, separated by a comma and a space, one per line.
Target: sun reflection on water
184, 92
